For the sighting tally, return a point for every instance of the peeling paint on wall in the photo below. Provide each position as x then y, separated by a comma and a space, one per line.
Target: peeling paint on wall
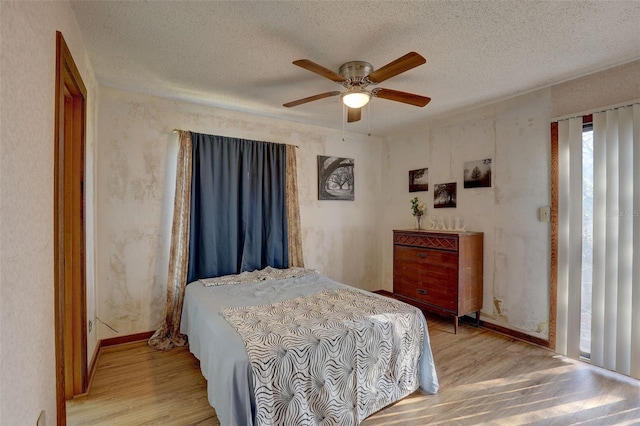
339, 238
130, 278
499, 311
516, 245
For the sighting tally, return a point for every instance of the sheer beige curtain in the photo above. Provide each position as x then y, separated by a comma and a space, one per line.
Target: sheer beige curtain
293, 210
168, 335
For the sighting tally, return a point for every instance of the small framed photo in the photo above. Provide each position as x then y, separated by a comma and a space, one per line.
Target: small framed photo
444, 195
419, 180
335, 178
477, 174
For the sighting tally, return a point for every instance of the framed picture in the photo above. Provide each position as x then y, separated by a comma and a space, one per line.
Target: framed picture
335, 178
419, 180
444, 195
477, 174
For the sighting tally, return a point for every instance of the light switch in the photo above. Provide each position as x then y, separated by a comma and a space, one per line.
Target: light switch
544, 214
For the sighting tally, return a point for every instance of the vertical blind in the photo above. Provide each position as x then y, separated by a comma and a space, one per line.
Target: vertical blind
615, 317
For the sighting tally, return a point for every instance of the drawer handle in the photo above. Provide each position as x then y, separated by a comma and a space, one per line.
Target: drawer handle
422, 291
422, 255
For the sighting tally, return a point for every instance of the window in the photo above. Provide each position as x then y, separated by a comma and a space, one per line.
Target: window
587, 240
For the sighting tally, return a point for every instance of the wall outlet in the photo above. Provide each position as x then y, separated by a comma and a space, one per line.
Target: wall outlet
42, 419
90, 325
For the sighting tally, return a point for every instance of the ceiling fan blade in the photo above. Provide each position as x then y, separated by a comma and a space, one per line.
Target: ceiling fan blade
319, 69
404, 97
353, 114
400, 65
311, 98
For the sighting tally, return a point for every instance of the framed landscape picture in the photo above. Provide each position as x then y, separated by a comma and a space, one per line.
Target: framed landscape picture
477, 174
335, 178
419, 180
444, 195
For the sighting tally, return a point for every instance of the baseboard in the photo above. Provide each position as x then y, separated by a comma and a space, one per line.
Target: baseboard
383, 293
105, 343
515, 334
129, 338
94, 364
91, 372
494, 327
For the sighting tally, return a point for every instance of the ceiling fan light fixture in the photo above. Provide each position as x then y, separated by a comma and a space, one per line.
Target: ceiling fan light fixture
355, 98
356, 76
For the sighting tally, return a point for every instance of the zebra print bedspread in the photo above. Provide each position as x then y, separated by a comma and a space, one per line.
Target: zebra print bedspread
331, 358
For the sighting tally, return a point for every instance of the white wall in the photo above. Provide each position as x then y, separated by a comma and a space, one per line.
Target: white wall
27, 67
135, 171
515, 134
591, 92
349, 241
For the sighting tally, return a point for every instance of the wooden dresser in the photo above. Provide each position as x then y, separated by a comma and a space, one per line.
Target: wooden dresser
439, 271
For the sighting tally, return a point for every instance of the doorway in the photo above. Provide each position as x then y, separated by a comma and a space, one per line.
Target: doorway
69, 230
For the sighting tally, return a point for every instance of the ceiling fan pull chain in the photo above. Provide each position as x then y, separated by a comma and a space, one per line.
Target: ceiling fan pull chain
344, 118
369, 117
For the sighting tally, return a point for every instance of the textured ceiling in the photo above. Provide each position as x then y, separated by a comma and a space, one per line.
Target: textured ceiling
238, 55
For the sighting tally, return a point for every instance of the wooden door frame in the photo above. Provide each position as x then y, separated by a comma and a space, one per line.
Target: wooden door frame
553, 287
69, 227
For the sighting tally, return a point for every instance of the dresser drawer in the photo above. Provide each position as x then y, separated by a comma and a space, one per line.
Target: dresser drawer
441, 296
423, 266
421, 239
416, 257
427, 276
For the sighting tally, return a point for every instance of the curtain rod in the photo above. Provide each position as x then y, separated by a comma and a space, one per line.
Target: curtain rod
180, 130
603, 109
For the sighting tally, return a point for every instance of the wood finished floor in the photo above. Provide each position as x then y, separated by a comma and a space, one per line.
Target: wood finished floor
485, 378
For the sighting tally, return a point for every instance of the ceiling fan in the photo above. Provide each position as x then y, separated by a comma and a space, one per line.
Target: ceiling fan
356, 76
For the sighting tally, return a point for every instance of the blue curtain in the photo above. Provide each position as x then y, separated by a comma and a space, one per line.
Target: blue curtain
238, 211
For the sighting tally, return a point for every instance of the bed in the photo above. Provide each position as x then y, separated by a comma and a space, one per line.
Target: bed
217, 318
